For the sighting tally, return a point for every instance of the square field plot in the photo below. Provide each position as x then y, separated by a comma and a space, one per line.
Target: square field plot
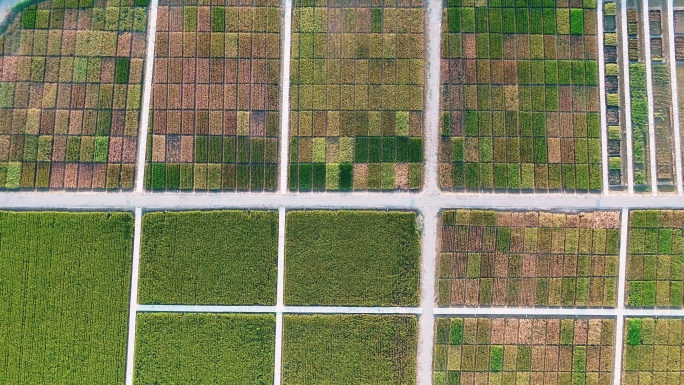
204, 349
357, 95
491, 258
215, 101
65, 281
652, 352
70, 94
520, 97
523, 351
655, 264
349, 349
209, 258
352, 258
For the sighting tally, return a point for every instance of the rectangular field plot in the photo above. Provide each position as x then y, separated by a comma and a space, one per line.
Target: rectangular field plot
523, 351
520, 97
204, 349
357, 95
215, 96
655, 264
70, 94
65, 281
491, 258
349, 349
352, 258
209, 258
652, 352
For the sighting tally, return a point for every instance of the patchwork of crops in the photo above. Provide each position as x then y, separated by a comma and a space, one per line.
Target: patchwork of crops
655, 265
349, 349
65, 291
209, 257
215, 100
352, 258
204, 349
678, 29
357, 96
70, 93
490, 258
520, 96
653, 350
523, 351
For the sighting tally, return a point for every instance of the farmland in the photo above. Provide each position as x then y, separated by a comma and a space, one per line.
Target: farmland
215, 102
356, 96
655, 265
70, 94
65, 290
506, 258
523, 351
349, 349
520, 97
652, 351
361, 258
678, 27
209, 257
204, 348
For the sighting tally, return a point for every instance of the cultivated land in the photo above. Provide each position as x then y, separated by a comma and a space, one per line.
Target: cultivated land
357, 96
523, 351
65, 289
215, 96
345, 258
70, 94
653, 349
528, 258
204, 348
209, 258
344, 349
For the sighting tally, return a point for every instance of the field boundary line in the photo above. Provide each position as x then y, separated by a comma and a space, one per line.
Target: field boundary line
133, 304
274, 309
602, 97
620, 311
675, 97
433, 23
627, 96
555, 312
649, 95
429, 241
146, 97
279, 298
286, 35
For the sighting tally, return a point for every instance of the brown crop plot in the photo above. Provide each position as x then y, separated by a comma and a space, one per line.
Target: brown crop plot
528, 259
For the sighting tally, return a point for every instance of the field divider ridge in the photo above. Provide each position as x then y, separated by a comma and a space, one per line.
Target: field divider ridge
626, 93
279, 298
429, 241
675, 97
620, 310
286, 36
433, 24
649, 96
274, 309
133, 305
602, 98
146, 97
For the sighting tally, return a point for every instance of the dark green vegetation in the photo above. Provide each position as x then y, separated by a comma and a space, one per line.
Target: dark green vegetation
204, 349
523, 351
210, 257
65, 281
349, 349
520, 96
652, 352
528, 258
70, 94
655, 264
357, 96
215, 121
361, 258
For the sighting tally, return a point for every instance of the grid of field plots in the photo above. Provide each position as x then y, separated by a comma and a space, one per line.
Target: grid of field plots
357, 95
215, 96
653, 350
70, 92
520, 97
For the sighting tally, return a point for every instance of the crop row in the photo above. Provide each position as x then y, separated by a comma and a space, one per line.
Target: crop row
613, 82
678, 28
